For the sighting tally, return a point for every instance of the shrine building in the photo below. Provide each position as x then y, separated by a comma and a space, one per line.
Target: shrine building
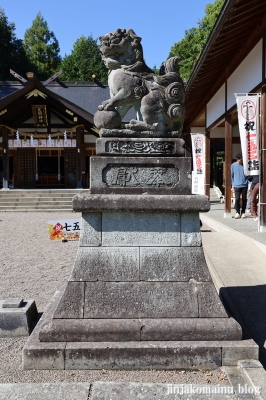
47, 133
233, 62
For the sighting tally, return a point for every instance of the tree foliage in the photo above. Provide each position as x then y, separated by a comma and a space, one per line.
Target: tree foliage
84, 61
11, 50
42, 48
191, 46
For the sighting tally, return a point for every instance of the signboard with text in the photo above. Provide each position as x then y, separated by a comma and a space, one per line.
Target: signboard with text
68, 229
198, 156
248, 120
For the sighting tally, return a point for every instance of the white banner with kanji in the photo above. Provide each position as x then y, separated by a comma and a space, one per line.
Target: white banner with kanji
248, 120
198, 156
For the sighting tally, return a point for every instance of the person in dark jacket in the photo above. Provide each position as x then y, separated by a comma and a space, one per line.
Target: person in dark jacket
255, 186
240, 185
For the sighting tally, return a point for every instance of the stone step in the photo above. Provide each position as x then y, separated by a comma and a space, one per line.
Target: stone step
255, 376
39, 193
39, 199
100, 390
45, 391
40, 196
37, 204
161, 391
30, 209
15, 209
248, 379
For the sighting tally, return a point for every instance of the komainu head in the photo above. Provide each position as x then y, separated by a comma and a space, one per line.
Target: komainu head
122, 48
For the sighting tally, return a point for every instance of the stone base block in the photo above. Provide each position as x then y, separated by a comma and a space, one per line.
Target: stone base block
169, 355
17, 317
115, 330
94, 203
140, 147
36, 355
143, 355
147, 354
137, 175
130, 133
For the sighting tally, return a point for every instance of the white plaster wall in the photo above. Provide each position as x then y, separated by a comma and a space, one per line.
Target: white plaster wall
89, 139
247, 75
198, 129
236, 148
217, 133
220, 132
216, 106
236, 131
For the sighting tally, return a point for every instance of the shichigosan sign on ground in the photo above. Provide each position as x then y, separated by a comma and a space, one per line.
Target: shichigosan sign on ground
68, 229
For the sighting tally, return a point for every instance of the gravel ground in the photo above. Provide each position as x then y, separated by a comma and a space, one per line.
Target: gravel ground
33, 267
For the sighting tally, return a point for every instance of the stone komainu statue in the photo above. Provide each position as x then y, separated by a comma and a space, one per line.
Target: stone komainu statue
157, 99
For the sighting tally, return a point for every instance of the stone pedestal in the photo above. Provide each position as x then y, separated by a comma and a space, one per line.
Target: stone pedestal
17, 317
140, 294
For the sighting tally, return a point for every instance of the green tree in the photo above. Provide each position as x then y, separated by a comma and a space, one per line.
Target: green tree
84, 61
191, 46
42, 48
11, 49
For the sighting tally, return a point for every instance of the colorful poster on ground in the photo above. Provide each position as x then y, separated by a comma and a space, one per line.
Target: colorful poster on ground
68, 229
198, 156
248, 120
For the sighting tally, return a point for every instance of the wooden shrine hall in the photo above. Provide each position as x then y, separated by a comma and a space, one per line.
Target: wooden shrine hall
47, 133
233, 62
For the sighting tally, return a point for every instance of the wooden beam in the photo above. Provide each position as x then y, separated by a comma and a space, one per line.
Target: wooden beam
56, 75
5, 157
17, 76
80, 154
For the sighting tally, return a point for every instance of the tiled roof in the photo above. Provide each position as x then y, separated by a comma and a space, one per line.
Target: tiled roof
86, 95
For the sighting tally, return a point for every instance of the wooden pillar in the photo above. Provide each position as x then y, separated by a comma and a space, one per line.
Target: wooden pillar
262, 208
5, 157
80, 155
228, 162
16, 168
207, 164
83, 161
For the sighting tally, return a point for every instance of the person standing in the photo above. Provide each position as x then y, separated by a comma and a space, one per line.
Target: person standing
254, 192
240, 185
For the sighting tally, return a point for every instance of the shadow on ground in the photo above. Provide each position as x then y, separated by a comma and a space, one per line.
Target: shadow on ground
248, 307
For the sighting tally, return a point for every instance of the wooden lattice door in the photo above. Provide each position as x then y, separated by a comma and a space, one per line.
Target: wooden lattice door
70, 168
27, 168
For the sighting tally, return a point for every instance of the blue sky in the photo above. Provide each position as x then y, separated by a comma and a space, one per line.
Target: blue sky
159, 24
